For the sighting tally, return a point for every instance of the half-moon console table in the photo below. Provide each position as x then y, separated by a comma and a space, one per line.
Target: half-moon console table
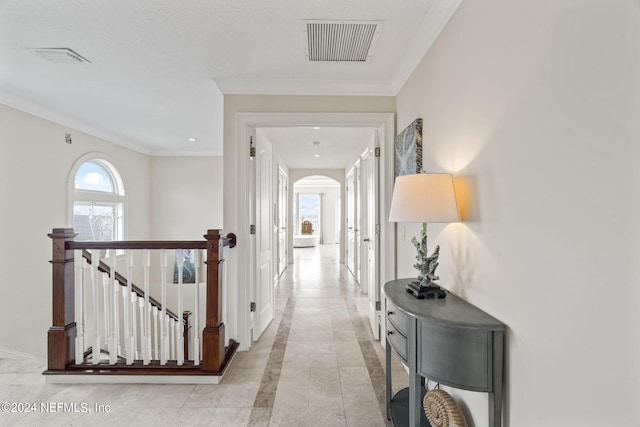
448, 341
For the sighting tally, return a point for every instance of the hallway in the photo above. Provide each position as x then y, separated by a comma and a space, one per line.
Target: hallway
332, 372
315, 365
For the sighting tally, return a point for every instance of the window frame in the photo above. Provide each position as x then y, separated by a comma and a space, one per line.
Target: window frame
117, 198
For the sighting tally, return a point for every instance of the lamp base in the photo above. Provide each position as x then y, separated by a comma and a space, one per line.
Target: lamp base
430, 291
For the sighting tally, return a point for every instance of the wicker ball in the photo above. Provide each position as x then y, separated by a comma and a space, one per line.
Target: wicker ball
442, 410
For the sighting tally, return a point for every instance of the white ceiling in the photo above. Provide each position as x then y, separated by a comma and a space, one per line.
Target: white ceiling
336, 146
159, 68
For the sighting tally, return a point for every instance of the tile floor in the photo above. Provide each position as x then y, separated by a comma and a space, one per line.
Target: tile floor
315, 365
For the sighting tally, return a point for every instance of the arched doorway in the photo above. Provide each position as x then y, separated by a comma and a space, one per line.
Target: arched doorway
316, 205
331, 183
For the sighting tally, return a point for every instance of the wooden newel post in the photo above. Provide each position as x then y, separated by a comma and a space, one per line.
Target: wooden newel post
62, 334
213, 340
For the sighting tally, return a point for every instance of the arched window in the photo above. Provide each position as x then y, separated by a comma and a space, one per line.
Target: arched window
98, 201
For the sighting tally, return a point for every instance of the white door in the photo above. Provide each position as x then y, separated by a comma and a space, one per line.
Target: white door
372, 240
351, 217
264, 292
282, 220
363, 206
357, 224
369, 242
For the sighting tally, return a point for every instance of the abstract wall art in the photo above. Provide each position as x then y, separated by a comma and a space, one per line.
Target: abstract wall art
408, 150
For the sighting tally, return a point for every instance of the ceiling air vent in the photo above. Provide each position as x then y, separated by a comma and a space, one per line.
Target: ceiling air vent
60, 55
341, 41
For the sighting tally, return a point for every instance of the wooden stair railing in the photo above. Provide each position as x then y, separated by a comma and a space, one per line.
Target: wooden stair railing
123, 281
104, 268
62, 333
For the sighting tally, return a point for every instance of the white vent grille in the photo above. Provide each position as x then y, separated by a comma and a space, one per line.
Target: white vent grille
341, 41
62, 55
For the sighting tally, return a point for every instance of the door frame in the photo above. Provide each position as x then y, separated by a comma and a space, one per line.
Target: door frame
384, 122
283, 213
371, 165
349, 220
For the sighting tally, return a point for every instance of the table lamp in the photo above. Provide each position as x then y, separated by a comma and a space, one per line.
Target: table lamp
424, 198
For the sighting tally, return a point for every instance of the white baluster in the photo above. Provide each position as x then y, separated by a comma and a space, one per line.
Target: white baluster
106, 314
95, 260
146, 345
79, 306
116, 317
156, 334
196, 314
113, 322
127, 324
172, 345
171, 330
134, 326
141, 314
179, 348
180, 325
126, 292
164, 342
165, 339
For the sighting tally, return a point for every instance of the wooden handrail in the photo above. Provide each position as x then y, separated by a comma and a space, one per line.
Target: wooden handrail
228, 240
137, 244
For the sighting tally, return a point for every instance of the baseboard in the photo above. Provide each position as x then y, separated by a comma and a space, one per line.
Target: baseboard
7, 353
132, 379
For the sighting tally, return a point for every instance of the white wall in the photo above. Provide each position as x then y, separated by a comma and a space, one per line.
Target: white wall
186, 197
186, 201
35, 163
534, 106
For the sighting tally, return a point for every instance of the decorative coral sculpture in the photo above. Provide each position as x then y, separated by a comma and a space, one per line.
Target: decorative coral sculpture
426, 264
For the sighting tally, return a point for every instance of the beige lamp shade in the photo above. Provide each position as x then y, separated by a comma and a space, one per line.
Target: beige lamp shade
424, 197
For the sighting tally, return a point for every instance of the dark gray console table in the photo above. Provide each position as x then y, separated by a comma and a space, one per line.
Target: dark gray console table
445, 340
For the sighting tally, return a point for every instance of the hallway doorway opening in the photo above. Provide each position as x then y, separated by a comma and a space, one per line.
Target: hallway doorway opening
251, 127
316, 211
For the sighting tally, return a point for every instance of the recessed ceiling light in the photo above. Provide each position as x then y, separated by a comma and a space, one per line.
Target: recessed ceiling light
193, 139
316, 127
316, 155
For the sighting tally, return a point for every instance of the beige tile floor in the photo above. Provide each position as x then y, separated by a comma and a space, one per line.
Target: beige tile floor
315, 365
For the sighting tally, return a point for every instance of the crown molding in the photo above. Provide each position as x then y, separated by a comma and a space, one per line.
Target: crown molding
438, 16
233, 86
75, 125
69, 122
185, 153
